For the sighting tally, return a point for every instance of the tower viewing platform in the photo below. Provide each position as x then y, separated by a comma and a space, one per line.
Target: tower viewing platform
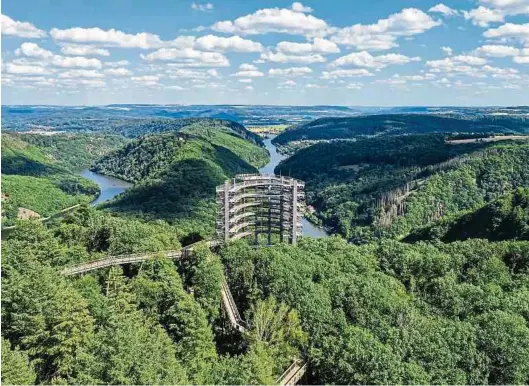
251, 205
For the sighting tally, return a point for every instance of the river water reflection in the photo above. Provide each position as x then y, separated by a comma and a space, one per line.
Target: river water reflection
110, 187
309, 229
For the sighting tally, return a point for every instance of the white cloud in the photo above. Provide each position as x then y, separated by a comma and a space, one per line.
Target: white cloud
249, 88
521, 59
82, 50
76, 82
20, 28
247, 72
111, 37
312, 85
318, 46
280, 20
175, 87
192, 74
353, 73
80, 74
383, 35
298, 7
234, 43
287, 84
365, 59
118, 71
207, 7
292, 71
188, 57
247, 67
32, 50
497, 51
24, 69
447, 50
279, 57
147, 80
502, 73
75, 61
483, 16
509, 7
510, 31
445, 10
246, 80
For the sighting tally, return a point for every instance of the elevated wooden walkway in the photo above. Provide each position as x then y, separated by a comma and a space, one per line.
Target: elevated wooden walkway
291, 376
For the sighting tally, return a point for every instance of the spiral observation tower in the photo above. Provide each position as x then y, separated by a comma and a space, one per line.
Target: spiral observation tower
253, 205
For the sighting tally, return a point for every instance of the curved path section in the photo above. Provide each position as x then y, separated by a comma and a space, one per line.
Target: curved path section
291, 376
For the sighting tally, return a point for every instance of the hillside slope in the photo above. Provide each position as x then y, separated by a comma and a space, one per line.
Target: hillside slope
393, 185
33, 179
175, 176
506, 218
353, 127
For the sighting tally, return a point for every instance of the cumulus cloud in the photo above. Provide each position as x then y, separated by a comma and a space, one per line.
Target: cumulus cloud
248, 71
247, 67
83, 50
118, 71
365, 59
147, 80
443, 9
353, 73
80, 74
483, 16
24, 69
192, 74
298, 7
111, 37
279, 20
383, 35
20, 28
318, 46
32, 50
292, 71
207, 7
287, 84
234, 43
510, 31
497, 51
188, 57
508, 7
279, 57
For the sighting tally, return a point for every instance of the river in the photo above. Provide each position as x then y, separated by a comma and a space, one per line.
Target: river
110, 187
309, 229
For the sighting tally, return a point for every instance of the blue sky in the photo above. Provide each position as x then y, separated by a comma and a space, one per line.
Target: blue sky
339, 52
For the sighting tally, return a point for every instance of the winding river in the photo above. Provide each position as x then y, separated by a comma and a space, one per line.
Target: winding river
309, 229
111, 187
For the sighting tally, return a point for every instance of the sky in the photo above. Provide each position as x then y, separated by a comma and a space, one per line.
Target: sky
339, 52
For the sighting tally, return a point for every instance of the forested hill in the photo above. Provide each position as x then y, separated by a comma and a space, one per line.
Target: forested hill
143, 126
39, 173
353, 127
393, 185
506, 218
176, 175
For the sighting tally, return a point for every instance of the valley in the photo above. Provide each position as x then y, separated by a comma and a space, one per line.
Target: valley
420, 276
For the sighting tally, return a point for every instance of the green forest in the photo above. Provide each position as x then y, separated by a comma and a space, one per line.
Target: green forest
424, 280
399, 124
39, 172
